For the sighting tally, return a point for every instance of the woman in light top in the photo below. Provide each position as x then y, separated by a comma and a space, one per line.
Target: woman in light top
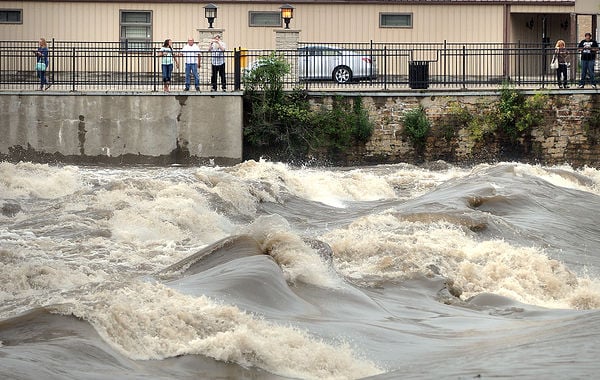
561, 54
168, 58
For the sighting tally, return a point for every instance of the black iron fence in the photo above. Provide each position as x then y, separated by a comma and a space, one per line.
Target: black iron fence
117, 66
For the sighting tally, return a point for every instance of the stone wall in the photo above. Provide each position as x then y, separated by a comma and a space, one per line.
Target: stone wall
565, 136
131, 128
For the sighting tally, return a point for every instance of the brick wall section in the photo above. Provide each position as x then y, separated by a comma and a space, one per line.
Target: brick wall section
564, 137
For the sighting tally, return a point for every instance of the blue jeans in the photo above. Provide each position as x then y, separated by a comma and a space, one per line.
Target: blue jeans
167, 70
191, 68
587, 66
42, 76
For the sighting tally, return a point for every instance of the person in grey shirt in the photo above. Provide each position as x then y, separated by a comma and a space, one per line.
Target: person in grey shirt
217, 49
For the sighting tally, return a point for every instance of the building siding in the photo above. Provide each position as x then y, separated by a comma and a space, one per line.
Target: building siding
317, 22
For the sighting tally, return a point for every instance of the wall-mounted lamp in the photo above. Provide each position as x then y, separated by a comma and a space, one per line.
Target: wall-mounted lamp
210, 12
565, 24
529, 24
287, 13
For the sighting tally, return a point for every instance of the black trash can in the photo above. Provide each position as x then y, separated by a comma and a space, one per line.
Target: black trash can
418, 74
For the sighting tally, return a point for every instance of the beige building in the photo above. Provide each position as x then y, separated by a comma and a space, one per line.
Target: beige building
251, 23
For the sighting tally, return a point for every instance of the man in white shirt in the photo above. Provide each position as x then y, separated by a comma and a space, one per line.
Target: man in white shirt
191, 56
217, 51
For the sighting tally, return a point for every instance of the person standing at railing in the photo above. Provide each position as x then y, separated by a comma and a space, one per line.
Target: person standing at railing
217, 49
168, 58
191, 57
561, 54
588, 49
42, 63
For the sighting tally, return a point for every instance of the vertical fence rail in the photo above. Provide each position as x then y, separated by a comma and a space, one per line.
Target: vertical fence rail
73, 69
237, 70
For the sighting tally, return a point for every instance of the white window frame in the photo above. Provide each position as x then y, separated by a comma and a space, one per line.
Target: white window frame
19, 11
382, 15
251, 24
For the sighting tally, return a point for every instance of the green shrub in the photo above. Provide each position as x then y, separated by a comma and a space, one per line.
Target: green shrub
285, 124
518, 114
482, 125
456, 117
416, 126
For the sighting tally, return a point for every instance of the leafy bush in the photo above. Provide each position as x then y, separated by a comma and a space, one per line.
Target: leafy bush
416, 126
285, 124
456, 117
518, 114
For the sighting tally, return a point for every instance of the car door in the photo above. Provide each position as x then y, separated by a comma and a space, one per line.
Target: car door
313, 63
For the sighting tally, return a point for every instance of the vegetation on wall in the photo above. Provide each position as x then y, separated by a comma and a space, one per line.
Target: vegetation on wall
512, 115
416, 126
287, 127
591, 126
457, 117
517, 114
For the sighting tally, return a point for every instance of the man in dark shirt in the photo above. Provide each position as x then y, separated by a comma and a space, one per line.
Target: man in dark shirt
588, 49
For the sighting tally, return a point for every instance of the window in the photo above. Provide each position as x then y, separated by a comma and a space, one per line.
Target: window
11, 16
264, 18
136, 30
395, 20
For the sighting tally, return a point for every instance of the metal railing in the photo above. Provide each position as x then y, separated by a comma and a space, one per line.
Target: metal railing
115, 66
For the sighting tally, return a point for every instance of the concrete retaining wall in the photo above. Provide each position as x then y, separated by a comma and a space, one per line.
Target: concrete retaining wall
122, 128
207, 129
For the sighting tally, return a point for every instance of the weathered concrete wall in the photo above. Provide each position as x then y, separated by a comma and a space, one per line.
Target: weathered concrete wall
123, 128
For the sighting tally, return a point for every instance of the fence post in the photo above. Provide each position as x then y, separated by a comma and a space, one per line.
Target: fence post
544, 71
126, 55
52, 63
519, 62
385, 67
237, 72
73, 68
464, 67
155, 68
445, 62
372, 60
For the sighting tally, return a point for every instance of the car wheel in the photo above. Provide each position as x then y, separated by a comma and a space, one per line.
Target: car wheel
342, 74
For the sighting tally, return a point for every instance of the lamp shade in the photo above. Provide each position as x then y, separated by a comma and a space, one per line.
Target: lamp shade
210, 11
287, 11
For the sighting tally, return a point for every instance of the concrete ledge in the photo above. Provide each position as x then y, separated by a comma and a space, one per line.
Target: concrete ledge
122, 127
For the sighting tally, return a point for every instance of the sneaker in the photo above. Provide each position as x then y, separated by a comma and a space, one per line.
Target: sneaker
559, 86
47, 87
186, 89
224, 90
566, 87
594, 86
580, 86
197, 88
